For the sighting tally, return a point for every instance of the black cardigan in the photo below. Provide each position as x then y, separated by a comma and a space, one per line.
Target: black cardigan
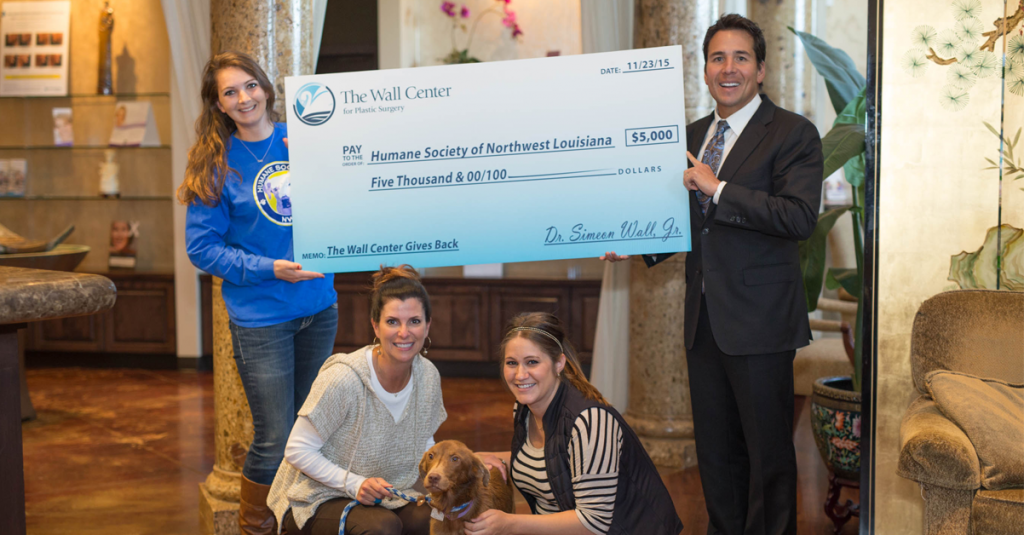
642, 503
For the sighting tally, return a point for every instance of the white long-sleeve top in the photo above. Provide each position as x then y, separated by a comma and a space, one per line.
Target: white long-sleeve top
304, 443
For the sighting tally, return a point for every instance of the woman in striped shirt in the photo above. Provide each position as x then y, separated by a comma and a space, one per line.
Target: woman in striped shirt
573, 457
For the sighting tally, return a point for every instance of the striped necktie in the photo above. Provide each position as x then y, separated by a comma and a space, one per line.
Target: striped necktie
713, 158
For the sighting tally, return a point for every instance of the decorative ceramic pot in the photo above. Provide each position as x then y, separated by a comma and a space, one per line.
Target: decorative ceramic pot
835, 419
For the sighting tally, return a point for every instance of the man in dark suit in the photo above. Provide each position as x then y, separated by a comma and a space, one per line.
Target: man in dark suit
756, 193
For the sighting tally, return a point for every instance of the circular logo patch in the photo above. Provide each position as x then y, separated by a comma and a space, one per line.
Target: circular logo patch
272, 190
314, 104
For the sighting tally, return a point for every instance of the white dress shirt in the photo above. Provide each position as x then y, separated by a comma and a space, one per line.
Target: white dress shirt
737, 122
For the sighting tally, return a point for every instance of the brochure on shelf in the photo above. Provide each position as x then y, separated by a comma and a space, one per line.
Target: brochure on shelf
63, 127
134, 125
35, 48
122, 244
13, 174
4, 165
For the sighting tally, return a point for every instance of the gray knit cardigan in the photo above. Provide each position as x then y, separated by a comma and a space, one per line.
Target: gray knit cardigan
360, 434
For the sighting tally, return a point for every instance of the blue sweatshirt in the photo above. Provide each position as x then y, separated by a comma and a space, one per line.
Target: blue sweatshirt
239, 239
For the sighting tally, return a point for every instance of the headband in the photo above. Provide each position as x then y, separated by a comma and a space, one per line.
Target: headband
540, 331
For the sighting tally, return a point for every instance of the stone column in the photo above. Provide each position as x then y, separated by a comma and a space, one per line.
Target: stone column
218, 496
790, 77
659, 392
679, 22
278, 34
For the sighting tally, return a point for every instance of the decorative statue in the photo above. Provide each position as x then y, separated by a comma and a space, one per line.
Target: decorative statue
105, 85
109, 185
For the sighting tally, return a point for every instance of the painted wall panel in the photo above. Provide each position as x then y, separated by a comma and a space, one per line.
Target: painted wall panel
940, 87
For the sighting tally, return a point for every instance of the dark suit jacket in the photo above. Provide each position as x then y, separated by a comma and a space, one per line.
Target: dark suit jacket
745, 249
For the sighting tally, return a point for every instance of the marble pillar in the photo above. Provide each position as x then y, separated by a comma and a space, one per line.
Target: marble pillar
279, 35
790, 78
679, 22
218, 502
659, 391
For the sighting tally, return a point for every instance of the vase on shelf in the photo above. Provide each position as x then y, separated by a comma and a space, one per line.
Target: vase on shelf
105, 84
110, 187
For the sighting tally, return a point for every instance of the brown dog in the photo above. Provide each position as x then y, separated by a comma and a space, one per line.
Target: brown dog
454, 476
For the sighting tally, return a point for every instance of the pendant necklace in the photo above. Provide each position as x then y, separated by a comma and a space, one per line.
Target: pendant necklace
260, 160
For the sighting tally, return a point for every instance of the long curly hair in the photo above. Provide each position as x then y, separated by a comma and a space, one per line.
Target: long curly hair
207, 159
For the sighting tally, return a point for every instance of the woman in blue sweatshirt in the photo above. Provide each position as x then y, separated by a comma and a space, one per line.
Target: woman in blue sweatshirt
238, 228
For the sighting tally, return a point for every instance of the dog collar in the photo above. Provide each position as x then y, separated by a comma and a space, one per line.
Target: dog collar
464, 508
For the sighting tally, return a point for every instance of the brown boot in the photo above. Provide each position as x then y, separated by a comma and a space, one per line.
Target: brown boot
254, 517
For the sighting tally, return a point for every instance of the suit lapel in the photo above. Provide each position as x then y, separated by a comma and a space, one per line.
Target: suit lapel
752, 135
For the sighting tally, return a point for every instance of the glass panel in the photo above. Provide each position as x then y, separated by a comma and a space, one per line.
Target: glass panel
1010, 237
948, 106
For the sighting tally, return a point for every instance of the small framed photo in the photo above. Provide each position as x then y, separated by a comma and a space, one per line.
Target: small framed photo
122, 244
42, 39
56, 59
17, 171
42, 60
56, 38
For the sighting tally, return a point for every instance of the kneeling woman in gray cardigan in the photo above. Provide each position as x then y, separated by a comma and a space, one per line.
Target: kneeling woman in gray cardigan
369, 418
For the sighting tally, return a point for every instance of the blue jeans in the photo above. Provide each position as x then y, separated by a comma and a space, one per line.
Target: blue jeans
277, 364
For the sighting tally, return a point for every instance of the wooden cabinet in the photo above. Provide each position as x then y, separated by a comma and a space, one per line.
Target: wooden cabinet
468, 316
141, 322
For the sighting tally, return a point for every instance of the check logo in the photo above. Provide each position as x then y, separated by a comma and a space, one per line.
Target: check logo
314, 104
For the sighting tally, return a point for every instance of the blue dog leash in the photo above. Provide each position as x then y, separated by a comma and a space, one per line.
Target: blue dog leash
399, 494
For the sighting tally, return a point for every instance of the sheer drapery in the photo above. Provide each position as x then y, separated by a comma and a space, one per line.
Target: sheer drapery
319, 12
608, 26
188, 30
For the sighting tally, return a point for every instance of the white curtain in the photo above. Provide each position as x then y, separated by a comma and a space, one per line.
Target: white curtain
319, 12
188, 29
607, 27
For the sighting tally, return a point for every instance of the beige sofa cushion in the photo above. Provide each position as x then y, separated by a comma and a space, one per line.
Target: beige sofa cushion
980, 332
991, 413
998, 512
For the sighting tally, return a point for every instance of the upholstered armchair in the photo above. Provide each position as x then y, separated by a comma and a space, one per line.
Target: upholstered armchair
962, 439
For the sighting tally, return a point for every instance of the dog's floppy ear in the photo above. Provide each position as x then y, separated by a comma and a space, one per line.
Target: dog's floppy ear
481, 468
425, 463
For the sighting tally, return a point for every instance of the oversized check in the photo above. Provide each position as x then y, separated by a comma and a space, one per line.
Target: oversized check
538, 159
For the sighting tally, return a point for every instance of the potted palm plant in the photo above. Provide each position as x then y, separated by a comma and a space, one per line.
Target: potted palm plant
835, 404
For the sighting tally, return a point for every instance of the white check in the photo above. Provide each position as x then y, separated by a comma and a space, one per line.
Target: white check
538, 159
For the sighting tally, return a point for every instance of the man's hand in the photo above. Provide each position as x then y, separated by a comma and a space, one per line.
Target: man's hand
373, 491
610, 256
285, 142
292, 272
699, 177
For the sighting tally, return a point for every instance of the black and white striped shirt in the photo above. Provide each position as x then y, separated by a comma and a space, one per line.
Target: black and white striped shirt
594, 450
